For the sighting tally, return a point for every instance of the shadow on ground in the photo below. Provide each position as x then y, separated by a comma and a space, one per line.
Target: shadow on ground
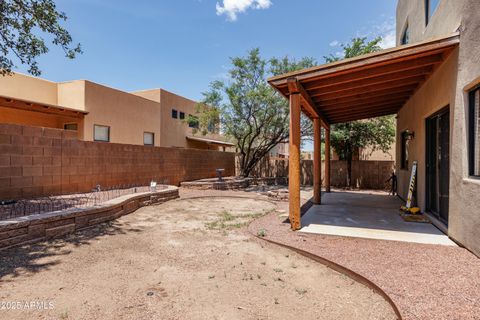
28, 258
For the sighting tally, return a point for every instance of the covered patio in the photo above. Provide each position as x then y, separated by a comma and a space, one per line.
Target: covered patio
364, 87
368, 215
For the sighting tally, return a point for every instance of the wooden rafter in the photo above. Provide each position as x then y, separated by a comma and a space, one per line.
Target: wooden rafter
307, 103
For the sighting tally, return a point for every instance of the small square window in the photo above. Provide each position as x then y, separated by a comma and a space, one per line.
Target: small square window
182, 115
174, 114
148, 138
101, 133
70, 126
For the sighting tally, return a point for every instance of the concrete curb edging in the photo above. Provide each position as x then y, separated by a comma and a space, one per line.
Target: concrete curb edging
339, 268
41, 227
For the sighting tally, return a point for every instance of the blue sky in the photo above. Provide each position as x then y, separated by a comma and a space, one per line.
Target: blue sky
183, 45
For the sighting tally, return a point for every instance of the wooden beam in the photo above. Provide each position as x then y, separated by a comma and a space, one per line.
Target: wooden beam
327, 159
372, 72
333, 110
384, 81
362, 96
310, 107
386, 107
294, 162
368, 101
402, 53
317, 161
379, 88
354, 117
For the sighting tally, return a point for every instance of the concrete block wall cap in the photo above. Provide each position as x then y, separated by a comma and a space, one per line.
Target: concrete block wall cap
76, 212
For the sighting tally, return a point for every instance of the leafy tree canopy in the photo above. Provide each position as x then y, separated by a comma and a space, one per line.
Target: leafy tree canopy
250, 110
21, 24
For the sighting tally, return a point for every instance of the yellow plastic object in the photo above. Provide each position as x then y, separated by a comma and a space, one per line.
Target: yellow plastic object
414, 210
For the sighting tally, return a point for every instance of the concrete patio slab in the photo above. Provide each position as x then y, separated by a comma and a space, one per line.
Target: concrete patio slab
371, 215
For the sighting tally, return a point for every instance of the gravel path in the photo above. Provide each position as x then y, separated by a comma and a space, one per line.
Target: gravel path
424, 281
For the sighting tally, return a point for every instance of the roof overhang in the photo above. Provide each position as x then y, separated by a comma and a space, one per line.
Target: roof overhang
40, 107
367, 86
211, 141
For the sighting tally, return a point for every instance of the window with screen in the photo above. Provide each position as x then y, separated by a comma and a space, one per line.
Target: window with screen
174, 114
430, 7
101, 133
148, 138
182, 115
70, 126
474, 132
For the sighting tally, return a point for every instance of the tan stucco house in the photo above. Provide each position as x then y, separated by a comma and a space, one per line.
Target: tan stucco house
100, 113
431, 81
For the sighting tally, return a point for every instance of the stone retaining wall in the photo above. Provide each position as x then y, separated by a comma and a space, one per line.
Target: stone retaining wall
40, 227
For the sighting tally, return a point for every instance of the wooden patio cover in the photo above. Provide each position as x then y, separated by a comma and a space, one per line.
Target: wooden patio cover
363, 87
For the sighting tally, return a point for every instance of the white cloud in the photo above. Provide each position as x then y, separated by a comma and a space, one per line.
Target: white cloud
334, 43
231, 8
387, 30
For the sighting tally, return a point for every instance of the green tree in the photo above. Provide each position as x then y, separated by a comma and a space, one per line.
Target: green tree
251, 112
378, 133
21, 22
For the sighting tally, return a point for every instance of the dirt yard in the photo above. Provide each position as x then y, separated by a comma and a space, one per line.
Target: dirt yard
185, 259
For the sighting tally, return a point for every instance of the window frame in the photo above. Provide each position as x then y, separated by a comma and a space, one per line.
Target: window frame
69, 124
153, 138
405, 38
174, 113
108, 133
429, 16
181, 115
471, 131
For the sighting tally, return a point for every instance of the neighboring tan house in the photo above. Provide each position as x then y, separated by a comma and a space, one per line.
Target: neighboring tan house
99, 113
431, 80
279, 151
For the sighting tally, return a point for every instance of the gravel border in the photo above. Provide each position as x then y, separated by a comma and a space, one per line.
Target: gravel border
423, 281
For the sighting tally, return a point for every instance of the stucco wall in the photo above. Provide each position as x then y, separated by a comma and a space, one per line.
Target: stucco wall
28, 88
435, 94
445, 20
174, 131
128, 116
447, 86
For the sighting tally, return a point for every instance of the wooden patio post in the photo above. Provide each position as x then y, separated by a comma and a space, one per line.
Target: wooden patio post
294, 162
317, 161
327, 158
